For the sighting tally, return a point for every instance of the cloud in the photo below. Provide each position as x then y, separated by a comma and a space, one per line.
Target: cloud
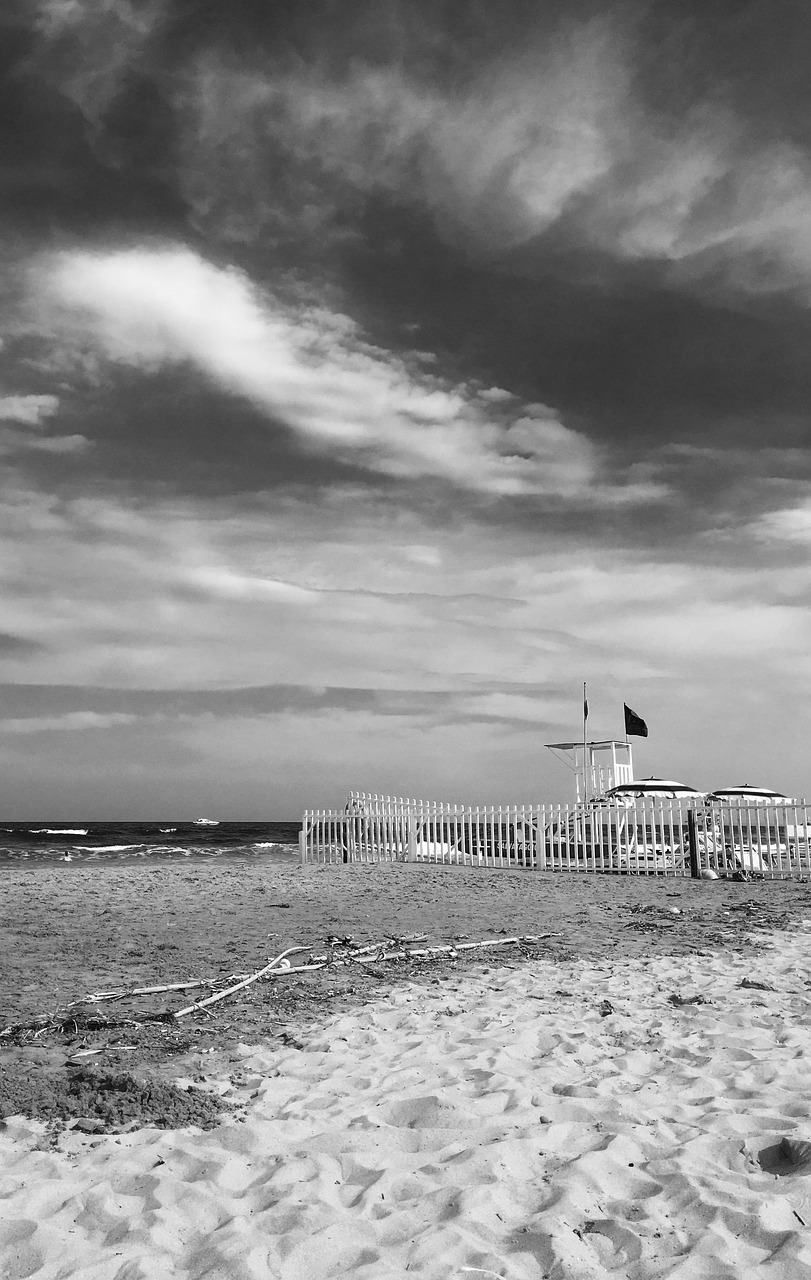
30, 410
709, 203
311, 370
791, 525
17, 645
33, 411
556, 135
71, 722
361, 617
58, 444
498, 157
538, 123
221, 581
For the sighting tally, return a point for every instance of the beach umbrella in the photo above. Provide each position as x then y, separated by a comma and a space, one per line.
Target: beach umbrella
655, 788
747, 794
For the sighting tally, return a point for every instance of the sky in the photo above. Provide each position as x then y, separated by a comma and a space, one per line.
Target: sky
373, 375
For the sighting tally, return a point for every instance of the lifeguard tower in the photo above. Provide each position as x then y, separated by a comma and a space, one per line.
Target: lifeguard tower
596, 765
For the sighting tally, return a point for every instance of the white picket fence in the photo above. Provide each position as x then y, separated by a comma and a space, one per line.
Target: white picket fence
651, 836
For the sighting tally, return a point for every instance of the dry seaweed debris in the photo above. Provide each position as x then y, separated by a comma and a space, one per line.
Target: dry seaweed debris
107, 1102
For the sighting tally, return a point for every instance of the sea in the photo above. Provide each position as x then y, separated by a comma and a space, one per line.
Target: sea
114, 843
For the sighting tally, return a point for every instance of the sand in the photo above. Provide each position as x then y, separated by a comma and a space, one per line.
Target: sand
612, 1112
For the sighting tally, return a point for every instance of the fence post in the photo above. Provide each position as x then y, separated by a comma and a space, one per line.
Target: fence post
412, 836
692, 840
302, 845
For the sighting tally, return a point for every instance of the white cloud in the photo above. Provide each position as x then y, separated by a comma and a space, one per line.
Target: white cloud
312, 370
59, 444
222, 581
70, 722
30, 410
791, 525
33, 411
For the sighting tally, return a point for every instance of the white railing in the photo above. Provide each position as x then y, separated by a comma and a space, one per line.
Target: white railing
650, 836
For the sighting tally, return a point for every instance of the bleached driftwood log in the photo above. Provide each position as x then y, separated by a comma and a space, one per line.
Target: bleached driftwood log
246, 982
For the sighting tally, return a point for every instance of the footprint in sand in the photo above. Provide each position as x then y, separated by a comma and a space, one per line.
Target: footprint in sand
789, 1156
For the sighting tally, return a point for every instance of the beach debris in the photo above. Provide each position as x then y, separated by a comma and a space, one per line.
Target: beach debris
605, 1008
752, 985
709, 874
291, 1041
121, 993
80, 1017
229, 991
678, 1000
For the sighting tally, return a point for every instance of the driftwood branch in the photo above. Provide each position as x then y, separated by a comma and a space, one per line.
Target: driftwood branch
246, 982
123, 992
360, 956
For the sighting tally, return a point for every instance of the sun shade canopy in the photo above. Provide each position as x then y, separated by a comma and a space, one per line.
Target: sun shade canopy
746, 792
663, 788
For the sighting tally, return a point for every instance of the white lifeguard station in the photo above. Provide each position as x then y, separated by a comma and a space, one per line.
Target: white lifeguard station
596, 765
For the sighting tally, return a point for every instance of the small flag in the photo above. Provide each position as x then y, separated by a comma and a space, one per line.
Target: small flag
585, 704
634, 725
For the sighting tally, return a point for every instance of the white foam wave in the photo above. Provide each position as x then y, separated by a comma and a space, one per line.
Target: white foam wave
165, 831
57, 831
107, 848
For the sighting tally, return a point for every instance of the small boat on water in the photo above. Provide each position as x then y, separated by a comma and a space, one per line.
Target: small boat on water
206, 822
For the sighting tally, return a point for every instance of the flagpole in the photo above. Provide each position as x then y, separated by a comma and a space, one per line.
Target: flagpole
585, 718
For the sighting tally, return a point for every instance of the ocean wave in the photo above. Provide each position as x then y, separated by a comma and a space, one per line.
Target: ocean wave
106, 848
166, 831
66, 851
57, 831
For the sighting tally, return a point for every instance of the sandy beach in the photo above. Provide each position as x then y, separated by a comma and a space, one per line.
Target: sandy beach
608, 1102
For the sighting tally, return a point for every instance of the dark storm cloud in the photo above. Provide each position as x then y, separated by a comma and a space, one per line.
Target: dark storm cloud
64, 170
389, 142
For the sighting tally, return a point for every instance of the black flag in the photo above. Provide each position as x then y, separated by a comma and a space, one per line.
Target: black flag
634, 725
